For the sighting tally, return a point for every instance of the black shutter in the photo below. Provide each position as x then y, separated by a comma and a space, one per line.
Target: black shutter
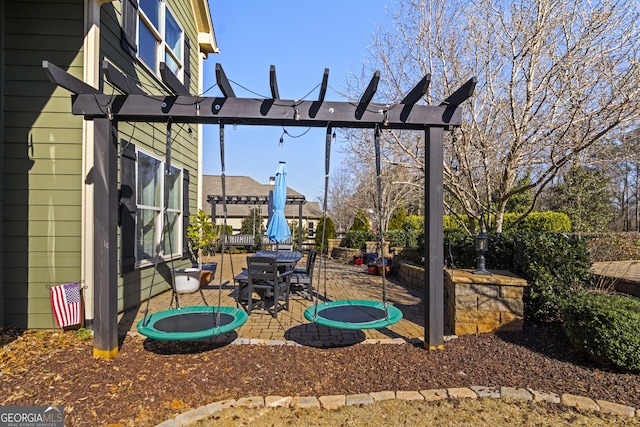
185, 213
187, 64
128, 206
129, 22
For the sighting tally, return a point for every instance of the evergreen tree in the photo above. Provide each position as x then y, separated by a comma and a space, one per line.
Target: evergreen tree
360, 222
398, 218
329, 233
585, 198
252, 224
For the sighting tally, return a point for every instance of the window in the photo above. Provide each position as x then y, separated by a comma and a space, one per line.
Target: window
160, 38
158, 233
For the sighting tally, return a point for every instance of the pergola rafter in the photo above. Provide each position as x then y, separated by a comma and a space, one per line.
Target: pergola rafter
134, 105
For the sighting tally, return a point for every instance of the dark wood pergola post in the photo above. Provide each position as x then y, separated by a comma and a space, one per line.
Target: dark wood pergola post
133, 105
105, 180
433, 239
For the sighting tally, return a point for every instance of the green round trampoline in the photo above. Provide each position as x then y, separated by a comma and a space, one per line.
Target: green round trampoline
191, 323
353, 314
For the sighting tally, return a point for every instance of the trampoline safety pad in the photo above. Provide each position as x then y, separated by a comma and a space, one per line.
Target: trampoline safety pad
191, 323
353, 314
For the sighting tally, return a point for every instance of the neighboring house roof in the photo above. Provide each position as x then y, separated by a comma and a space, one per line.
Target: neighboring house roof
247, 187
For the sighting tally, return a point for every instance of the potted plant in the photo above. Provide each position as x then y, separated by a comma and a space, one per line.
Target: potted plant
202, 236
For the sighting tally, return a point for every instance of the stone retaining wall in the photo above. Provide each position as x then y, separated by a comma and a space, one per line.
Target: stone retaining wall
475, 303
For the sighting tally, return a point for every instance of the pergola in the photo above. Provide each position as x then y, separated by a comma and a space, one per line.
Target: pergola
215, 200
134, 105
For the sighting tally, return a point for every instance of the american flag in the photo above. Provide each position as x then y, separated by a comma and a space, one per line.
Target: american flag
65, 302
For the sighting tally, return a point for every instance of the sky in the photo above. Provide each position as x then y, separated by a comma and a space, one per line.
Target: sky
300, 38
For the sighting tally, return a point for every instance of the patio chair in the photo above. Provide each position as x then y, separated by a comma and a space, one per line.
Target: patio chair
271, 285
302, 278
284, 246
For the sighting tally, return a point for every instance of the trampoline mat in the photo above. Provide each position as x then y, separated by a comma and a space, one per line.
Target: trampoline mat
192, 322
352, 313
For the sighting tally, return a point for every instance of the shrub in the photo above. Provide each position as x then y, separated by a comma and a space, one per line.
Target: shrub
540, 222
329, 233
458, 223
607, 327
396, 238
357, 238
414, 229
556, 266
398, 218
360, 222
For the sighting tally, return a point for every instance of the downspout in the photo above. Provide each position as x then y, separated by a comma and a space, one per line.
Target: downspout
91, 76
201, 57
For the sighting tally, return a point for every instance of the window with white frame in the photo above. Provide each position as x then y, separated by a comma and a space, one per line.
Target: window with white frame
158, 233
160, 37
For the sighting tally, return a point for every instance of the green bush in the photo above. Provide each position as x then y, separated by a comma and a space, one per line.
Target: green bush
555, 265
396, 238
556, 222
357, 239
398, 218
454, 224
360, 222
413, 227
607, 327
329, 233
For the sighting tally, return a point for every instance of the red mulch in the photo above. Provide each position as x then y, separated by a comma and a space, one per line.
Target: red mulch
150, 381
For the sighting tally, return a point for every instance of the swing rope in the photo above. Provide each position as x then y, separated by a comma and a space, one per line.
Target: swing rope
323, 269
365, 317
379, 213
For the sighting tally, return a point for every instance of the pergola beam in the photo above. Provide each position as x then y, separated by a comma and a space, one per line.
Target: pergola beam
246, 111
323, 85
367, 96
418, 91
172, 81
462, 94
253, 200
63, 79
223, 83
120, 81
273, 83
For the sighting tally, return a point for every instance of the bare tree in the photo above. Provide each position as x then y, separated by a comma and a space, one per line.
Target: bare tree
619, 158
341, 190
554, 77
399, 179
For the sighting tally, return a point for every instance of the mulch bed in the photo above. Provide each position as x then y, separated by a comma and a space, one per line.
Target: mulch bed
150, 381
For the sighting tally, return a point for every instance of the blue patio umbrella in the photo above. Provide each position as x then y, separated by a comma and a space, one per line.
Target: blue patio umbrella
278, 229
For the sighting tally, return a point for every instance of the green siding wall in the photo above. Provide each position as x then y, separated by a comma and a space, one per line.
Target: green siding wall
41, 154
41, 162
134, 287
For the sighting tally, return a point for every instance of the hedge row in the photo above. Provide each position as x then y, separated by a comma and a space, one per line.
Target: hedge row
555, 265
607, 327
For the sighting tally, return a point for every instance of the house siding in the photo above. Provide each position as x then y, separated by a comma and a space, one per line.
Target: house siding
41, 166
134, 286
42, 152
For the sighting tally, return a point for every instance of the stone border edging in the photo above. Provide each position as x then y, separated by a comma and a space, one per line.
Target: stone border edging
336, 401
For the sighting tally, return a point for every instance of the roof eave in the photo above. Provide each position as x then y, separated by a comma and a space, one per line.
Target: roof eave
206, 35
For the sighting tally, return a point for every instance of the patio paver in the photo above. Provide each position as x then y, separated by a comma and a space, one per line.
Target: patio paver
338, 280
